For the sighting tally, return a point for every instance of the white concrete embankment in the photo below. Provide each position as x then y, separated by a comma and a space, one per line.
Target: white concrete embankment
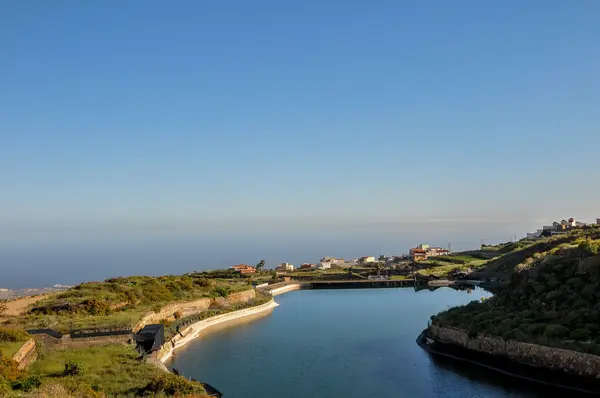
191, 332
287, 288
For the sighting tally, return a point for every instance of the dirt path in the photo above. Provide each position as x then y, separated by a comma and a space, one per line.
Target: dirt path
20, 306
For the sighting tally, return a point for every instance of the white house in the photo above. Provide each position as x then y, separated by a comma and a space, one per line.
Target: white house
285, 267
324, 265
366, 260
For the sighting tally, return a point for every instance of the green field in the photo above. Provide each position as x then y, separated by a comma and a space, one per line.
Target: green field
115, 370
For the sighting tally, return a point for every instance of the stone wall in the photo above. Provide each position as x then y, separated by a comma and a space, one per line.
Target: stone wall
26, 354
189, 308
531, 354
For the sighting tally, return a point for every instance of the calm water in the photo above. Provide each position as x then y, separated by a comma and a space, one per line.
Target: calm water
340, 343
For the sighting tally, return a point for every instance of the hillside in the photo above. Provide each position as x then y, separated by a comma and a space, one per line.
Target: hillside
553, 297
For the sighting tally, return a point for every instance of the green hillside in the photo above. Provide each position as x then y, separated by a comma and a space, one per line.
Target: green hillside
553, 297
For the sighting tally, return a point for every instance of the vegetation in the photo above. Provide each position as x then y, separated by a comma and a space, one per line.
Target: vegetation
120, 302
11, 340
553, 296
112, 370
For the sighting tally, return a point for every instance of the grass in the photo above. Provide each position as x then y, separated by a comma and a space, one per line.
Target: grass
120, 302
8, 349
113, 369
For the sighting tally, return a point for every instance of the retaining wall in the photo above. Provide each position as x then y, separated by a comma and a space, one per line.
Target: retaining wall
189, 308
189, 333
287, 288
532, 354
26, 354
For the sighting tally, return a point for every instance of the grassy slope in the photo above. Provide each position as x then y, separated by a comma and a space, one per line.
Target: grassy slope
115, 370
120, 302
8, 349
553, 297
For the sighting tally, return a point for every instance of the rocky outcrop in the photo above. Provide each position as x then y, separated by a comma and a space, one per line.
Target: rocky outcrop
531, 354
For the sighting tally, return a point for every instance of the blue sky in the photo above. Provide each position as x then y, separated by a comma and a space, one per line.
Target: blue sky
148, 117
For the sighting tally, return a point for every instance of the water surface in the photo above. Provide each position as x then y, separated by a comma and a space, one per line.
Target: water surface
341, 343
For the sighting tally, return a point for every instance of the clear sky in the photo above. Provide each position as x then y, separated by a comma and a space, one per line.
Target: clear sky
319, 117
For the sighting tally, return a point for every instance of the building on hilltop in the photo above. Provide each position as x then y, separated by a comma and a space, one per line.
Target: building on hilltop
285, 267
366, 260
244, 269
423, 252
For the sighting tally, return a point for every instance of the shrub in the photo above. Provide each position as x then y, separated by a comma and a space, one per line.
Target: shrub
74, 368
222, 291
178, 315
202, 282
536, 328
580, 334
172, 385
27, 384
9, 370
5, 387
11, 335
556, 331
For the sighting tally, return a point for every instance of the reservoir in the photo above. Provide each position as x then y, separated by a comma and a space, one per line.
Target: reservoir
341, 343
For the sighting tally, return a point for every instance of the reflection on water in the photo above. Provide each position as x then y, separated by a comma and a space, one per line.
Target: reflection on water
341, 343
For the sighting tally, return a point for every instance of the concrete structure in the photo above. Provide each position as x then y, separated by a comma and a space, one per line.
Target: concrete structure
324, 265
366, 260
377, 278
286, 267
423, 252
597, 221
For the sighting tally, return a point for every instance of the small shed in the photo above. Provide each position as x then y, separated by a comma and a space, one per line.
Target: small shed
150, 338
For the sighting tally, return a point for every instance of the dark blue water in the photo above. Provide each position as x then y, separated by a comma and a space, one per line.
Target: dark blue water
340, 343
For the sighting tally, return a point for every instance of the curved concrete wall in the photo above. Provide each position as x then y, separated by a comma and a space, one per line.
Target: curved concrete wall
190, 332
189, 308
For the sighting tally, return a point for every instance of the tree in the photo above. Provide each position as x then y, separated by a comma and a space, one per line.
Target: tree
378, 267
382, 258
260, 265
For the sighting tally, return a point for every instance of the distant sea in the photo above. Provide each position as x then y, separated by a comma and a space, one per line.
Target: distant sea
35, 265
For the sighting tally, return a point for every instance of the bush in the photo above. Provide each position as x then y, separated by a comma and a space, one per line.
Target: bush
580, 334
536, 328
172, 385
222, 291
74, 368
30, 383
9, 370
178, 315
12, 335
5, 387
556, 331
